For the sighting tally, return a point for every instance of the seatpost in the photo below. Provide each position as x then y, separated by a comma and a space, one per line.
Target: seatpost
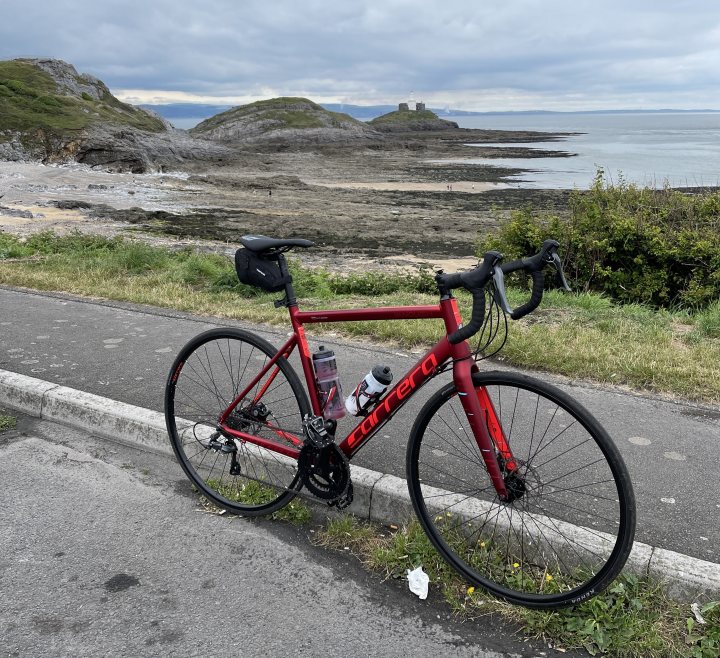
290, 299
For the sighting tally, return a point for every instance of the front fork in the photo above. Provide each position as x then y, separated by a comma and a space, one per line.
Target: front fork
486, 427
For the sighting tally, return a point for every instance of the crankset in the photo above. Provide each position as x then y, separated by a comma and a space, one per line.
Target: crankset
323, 467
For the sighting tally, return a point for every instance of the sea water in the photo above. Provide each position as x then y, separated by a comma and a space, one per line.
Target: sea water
680, 149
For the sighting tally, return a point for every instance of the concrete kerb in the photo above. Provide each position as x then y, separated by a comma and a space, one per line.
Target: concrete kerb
378, 496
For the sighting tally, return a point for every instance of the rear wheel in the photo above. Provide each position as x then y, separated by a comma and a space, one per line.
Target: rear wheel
570, 527
208, 373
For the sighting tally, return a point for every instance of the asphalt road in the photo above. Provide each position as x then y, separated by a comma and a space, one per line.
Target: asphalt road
124, 352
105, 552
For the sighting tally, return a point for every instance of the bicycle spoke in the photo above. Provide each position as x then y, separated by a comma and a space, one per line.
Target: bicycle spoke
236, 474
556, 532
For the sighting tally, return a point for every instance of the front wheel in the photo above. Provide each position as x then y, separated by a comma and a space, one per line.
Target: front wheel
208, 374
570, 527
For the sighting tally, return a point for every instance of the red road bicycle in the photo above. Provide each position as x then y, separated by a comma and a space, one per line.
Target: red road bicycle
515, 483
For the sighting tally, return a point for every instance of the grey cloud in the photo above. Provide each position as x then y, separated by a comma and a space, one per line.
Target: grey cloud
379, 48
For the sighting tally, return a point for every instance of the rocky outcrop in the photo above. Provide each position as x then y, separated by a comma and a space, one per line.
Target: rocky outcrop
51, 113
290, 121
130, 150
68, 81
402, 121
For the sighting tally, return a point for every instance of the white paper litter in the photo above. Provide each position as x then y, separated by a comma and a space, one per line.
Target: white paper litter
695, 607
418, 582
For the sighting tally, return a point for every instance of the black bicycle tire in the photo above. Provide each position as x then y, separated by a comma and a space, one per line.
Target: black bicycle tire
623, 545
293, 380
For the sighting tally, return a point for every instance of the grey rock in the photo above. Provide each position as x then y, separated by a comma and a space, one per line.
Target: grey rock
421, 125
276, 122
14, 212
69, 81
136, 151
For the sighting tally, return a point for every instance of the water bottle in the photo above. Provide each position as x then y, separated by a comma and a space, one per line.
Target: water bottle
328, 383
368, 391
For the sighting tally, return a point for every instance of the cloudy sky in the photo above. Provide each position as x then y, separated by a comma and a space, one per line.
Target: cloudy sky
509, 55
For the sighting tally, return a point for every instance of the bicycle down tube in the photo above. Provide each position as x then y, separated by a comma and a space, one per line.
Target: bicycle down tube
477, 406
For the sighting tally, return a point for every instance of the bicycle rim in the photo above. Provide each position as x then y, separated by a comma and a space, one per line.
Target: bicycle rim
569, 530
210, 371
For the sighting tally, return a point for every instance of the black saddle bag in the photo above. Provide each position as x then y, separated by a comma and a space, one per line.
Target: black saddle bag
259, 272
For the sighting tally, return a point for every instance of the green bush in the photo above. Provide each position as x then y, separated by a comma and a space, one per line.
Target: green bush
11, 247
658, 247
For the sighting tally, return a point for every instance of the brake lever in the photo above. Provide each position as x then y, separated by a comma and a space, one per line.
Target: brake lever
557, 264
499, 290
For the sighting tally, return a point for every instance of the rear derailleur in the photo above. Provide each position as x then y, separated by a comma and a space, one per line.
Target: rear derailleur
323, 467
226, 445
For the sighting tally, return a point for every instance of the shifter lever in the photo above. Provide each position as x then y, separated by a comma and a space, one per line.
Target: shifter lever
559, 269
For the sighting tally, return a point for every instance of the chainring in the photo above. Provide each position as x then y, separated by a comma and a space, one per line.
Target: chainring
325, 472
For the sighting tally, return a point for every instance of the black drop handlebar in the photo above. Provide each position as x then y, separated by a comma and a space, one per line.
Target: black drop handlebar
475, 281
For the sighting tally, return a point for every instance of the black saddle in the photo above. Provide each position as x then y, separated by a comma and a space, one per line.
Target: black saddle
260, 244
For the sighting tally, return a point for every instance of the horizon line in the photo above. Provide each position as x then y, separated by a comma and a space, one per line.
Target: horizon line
457, 111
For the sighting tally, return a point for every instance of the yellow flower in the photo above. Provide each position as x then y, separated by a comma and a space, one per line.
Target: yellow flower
548, 577
516, 564
470, 590
482, 544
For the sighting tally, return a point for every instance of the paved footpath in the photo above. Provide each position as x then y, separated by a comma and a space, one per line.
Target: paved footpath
124, 352
105, 552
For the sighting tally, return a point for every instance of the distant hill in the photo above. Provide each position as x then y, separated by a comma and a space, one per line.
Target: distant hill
288, 119
52, 113
185, 113
411, 121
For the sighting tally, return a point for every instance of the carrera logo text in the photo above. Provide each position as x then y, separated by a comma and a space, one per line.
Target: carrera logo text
401, 391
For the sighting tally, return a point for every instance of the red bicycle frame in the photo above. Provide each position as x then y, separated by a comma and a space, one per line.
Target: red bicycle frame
477, 405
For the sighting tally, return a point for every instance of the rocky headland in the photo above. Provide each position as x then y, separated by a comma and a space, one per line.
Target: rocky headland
51, 113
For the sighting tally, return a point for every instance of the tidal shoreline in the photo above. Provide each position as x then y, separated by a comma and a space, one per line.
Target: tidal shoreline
368, 202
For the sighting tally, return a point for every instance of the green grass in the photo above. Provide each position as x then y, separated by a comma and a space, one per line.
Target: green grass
405, 117
30, 100
7, 422
254, 493
578, 335
632, 618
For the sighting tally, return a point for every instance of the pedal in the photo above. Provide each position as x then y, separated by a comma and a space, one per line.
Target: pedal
341, 502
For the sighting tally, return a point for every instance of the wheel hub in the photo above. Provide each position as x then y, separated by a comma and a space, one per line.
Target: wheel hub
515, 486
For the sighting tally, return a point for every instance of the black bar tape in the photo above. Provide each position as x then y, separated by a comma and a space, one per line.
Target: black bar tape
476, 320
449, 281
538, 279
514, 265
